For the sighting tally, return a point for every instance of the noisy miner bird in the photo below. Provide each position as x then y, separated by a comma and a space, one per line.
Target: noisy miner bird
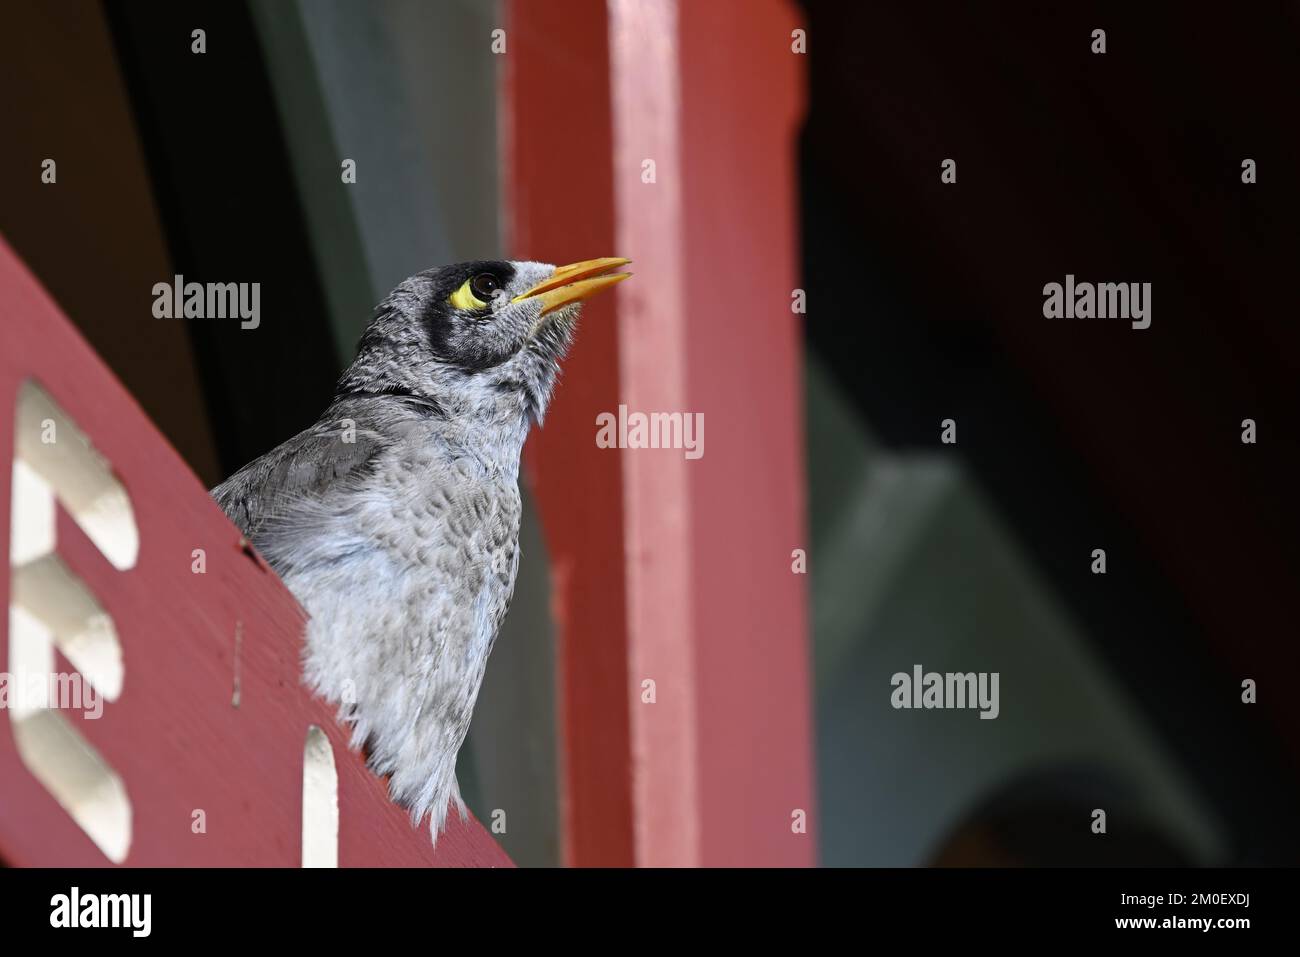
395, 518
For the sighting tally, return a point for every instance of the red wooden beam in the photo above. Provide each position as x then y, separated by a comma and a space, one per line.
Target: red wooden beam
672, 570
560, 186
175, 737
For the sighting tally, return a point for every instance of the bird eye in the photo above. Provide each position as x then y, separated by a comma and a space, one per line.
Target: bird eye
474, 293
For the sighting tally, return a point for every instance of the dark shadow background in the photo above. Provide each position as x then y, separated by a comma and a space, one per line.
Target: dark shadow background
925, 303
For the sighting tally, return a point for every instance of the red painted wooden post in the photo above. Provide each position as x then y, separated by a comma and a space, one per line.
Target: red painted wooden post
174, 736
665, 132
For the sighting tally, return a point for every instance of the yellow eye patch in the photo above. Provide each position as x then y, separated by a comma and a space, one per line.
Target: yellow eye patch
464, 298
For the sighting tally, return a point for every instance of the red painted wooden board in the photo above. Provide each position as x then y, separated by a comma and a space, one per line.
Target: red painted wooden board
174, 736
666, 570
560, 200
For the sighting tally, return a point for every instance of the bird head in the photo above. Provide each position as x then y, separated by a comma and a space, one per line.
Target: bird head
477, 335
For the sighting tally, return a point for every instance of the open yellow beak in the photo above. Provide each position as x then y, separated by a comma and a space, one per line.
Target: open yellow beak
575, 283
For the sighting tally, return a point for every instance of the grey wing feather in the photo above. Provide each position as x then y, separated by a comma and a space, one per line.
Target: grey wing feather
306, 466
